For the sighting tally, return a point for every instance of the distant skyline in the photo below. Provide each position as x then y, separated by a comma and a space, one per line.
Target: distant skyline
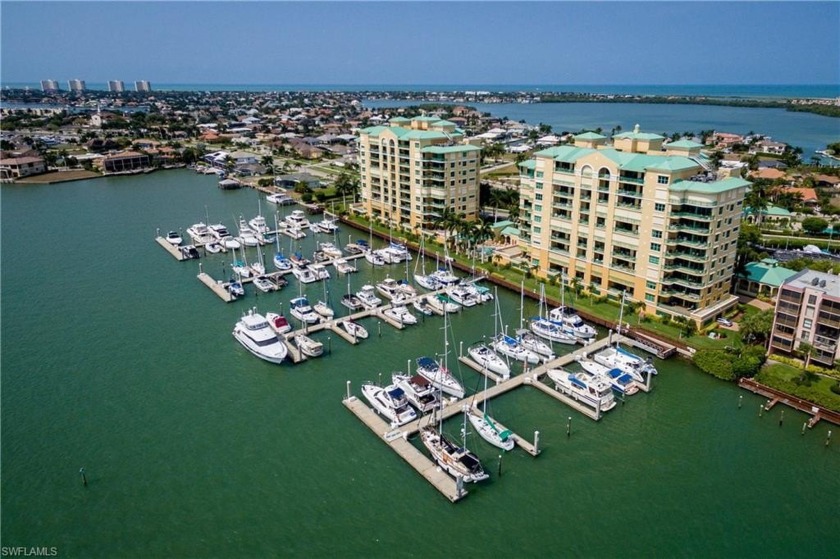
421, 42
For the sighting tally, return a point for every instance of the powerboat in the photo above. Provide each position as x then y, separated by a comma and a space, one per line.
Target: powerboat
510, 347
174, 238
532, 343
297, 219
584, 387
389, 401
200, 233
387, 257
439, 376
300, 308
368, 297
568, 318
398, 252
264, 284
278, 323
281, 262
188, 252
352, 302
343, 267
258, 225
621, 382
320, 271
354, 329
323, 309
463, 296
213, 247
485, 357
616, 357
374, 258
330, 250
548, 330
281, 199
445, 277
304, 274
308, 346
388, 288
401, 314
255, 335
422, 306
419, 391
442, 304
236, 289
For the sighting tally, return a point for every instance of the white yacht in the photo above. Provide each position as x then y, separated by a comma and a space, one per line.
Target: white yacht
568, 318
368, 298
174, 238
618, 358
421, 305
439, 376
300, 308
297, 219
485, 357
419, 391
256, 335
264, 284
510, 347
281, 199
531, 342
304, 274
583, 387
401, 314
442, 304
278, 323
445, 277
330, 250
548, 330
398, 252
200, 233
308, 346
621, 382
343, 267
389, 287
354, 329
463, 296
389, 401
352, 302
323, 309
320, 271
374, 258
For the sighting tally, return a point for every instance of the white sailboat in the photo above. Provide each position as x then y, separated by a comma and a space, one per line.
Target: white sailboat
456, 460
281, 262
487, 428
420, 276
546, 329
438, 373
508, 346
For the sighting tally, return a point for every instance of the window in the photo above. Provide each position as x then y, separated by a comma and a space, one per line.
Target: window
806, 323
538, 196
655, 247
539, 186
650, 297
657, 234
654, 259
659, 207
538, 207
539, 174
651, 285
812, 299
538, 218
662, 179
537, 229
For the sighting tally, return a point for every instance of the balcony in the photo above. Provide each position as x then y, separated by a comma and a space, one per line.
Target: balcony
682, 281
689, 229
680, 295
686, 269
631, 180
634, 193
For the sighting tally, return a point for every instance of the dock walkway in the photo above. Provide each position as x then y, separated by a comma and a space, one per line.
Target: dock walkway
777, 396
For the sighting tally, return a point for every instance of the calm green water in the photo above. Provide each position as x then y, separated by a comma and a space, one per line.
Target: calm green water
114, 357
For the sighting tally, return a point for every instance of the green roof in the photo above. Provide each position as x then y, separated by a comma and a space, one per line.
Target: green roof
450, 149
673, 163
421, 134
637, 162
771, 210
400, 119
684, 144
373, 130
426, 118
767, 274
709, 187
501, 224
639, 136
590, 136
529, 164
510, 231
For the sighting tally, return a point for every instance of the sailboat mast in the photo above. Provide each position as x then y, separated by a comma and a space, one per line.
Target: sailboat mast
522, 304
620, 315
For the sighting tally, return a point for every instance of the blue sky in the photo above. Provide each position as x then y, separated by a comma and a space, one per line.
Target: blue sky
422, 42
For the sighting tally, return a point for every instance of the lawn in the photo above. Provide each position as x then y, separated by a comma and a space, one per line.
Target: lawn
787, 379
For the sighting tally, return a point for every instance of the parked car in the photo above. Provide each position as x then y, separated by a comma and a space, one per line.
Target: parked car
724, 321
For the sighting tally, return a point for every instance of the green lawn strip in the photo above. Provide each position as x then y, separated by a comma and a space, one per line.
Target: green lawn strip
786, 378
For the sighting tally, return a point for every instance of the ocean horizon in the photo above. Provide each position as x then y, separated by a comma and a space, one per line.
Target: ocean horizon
821, 91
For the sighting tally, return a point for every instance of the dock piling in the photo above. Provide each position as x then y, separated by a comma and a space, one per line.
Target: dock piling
781, 418
500, 465
828, 438
84, 477
804, 425
536, 441
740, 401
348, 389
760, 409
569, 427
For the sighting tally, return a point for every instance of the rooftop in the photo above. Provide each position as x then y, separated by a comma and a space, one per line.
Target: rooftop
767, 272
816, 281
715, 187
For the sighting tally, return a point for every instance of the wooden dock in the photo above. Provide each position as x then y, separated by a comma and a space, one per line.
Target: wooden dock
218, 288
774, 397
481, 369
399, 443
335, 326
171, 249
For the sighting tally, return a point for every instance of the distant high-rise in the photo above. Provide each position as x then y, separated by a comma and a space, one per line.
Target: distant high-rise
116, 86
76, 85
142, 85
49, 85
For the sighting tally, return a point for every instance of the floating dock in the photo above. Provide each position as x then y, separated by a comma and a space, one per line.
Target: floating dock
171, 249
218, 288
416, 459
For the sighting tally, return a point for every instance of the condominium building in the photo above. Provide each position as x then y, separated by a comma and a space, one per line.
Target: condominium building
142, 85
808, 311
634, 217
116, 86
49, 85
414, 169
76, 85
